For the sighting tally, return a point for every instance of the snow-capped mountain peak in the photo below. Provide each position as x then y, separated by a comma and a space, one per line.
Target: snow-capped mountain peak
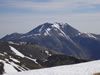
45, 29
59, 37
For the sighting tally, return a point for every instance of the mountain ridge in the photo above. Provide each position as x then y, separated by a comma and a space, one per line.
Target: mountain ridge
59, 37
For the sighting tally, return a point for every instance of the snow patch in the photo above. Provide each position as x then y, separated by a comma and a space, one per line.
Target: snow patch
26, 36
17, 66
56, 25
20, 43
48, 29
32, 59
5, 53
2, 54
79, 33
90, 35
16, 51
47, 52
8, 68
15, 60
41, 28
37, 34
10, 42
85, 34
47, 32
61, 34
31, 55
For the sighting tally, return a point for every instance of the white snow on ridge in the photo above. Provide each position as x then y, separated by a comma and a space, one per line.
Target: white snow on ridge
15, 60
88, 68
32, 59
20, 54
56, 25
16, 51
87, 35
90, 35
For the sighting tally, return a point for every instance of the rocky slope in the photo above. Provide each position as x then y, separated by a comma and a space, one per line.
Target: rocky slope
22, 56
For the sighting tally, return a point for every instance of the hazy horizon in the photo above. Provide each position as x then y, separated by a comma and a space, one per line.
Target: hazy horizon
24, 15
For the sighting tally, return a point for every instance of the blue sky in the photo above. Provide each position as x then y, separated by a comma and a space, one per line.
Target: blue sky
23, 15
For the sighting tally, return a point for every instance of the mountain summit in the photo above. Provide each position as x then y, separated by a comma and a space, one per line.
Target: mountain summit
61, 37
46, 28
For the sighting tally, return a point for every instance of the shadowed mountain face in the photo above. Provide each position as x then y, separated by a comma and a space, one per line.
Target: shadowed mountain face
24, 56
62, 38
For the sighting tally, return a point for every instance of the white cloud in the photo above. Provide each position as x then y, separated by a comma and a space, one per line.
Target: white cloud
21, 22
52, 5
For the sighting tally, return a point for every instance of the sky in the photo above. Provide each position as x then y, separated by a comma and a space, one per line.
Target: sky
24, 15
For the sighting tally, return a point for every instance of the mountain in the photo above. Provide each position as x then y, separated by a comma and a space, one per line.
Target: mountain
62, 38
22, 56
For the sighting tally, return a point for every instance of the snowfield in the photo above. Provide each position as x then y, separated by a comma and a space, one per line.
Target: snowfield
88, 68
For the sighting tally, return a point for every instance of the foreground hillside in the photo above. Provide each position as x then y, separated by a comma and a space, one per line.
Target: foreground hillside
88, 68
22, 56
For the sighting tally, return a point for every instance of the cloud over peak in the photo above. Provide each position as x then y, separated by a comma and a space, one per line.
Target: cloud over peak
49, 4
17, 14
